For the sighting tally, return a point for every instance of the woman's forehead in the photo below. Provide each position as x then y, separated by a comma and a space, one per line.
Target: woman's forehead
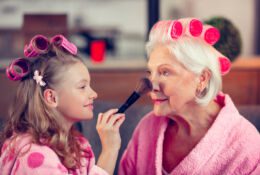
160, 56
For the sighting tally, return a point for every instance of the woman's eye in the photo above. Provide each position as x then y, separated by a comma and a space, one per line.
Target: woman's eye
148, 73
165, 73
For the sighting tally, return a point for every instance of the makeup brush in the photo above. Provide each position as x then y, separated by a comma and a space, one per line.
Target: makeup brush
143, 87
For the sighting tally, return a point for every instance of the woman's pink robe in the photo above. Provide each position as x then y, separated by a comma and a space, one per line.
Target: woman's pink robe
231, 146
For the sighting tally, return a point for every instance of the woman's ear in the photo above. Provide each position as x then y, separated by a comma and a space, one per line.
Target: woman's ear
50, 97
204, 80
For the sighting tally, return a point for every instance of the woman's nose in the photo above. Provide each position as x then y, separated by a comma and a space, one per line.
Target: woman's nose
155, 83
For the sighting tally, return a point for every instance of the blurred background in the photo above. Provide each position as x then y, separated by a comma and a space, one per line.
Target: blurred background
122, 24
118, 29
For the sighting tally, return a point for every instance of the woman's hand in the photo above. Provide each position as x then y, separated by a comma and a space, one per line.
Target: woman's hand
108, 125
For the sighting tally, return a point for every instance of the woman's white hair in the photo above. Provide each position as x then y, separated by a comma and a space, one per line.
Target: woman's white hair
194, 53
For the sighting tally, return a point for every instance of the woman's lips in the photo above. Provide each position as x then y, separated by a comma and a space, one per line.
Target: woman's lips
159, 101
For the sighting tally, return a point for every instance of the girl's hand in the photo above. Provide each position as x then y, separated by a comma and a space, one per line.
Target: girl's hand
108, 125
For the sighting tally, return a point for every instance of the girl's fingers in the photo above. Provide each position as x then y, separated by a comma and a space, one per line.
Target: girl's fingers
106, 116
99, 118
113, 119
119, 122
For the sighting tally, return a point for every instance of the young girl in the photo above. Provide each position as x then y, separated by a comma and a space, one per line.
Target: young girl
53, 93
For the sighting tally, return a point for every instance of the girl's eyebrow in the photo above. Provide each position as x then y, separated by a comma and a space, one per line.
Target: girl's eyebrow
84, 81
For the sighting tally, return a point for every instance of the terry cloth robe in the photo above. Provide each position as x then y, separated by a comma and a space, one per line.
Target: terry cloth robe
33, 159
231, 146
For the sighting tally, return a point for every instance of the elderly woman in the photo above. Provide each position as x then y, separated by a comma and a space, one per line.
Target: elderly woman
194, 128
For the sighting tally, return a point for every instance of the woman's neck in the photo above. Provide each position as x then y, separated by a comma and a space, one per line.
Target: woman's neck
197, 121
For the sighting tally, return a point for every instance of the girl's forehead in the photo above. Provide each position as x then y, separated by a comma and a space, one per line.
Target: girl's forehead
76, 72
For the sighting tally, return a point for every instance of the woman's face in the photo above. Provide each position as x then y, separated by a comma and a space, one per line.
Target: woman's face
75, 96
174, 87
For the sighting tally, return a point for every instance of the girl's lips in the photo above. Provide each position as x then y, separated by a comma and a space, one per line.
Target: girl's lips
89, 106
159, 101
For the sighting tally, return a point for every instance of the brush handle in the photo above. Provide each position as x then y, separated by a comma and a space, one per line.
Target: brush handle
133, 97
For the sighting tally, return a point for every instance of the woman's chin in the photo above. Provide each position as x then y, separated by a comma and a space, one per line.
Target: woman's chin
162, 112
159, 112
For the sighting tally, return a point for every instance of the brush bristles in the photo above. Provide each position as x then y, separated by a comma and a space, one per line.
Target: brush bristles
144, 86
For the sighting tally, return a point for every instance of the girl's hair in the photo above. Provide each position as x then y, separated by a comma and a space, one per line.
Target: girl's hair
192, 51
30, 114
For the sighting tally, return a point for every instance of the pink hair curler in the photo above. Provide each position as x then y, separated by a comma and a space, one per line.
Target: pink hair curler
61, 41
176, 29
39, 44
195, 27
17, 69
192, 26
210, 34
225, 65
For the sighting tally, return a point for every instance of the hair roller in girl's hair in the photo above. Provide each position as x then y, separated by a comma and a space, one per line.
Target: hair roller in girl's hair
18, 69
61, 41
39, 44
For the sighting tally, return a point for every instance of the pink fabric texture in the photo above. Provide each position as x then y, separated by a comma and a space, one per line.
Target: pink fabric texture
231, 146
26, 158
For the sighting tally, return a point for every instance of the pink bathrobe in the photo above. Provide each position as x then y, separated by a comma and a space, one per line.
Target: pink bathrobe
231, 146
33, 159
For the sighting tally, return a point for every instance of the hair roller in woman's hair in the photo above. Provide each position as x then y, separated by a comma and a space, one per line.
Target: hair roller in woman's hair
192, 26
210, 34
176, 29
225, 65
18, 69
39, 44
61, 41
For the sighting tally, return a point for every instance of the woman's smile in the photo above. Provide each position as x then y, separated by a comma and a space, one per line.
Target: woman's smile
159, 101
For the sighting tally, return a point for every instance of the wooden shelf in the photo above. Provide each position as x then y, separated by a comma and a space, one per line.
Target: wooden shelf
242, 83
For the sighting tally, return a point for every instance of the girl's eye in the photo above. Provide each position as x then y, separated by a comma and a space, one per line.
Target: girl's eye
82, 87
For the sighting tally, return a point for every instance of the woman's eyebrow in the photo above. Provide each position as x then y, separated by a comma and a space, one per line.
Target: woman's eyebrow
166, 65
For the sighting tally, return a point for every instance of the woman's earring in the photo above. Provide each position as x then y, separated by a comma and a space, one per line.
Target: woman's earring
198, 92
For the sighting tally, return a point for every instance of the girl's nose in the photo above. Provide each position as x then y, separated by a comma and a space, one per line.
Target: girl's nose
93, 94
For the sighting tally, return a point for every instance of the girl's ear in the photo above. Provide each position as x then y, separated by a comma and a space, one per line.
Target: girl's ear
50, 97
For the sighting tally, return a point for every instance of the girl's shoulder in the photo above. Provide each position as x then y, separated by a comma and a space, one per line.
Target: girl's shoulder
20, 154
23, 144
84, 145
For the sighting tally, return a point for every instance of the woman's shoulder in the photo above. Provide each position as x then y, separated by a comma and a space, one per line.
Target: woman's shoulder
151, 119
150, 123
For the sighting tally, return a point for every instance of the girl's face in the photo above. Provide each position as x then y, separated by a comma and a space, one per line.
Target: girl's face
75, 96
174, 87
